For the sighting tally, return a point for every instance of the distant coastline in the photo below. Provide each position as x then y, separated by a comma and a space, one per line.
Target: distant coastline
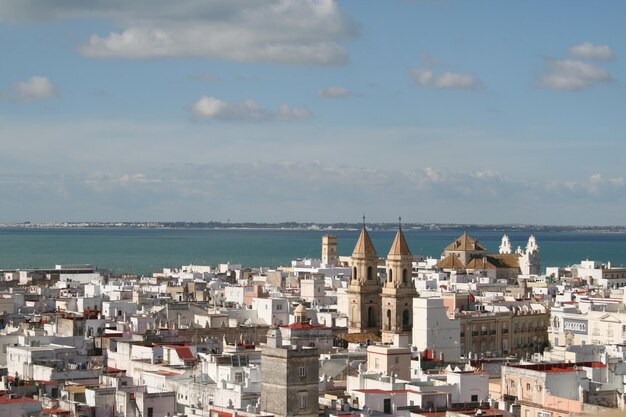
300, 226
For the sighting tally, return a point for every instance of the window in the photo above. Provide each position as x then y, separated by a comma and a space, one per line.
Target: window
302, 371
528, 387
238, 377
303, 399
474, 398
279, 306
376, 363
150, 411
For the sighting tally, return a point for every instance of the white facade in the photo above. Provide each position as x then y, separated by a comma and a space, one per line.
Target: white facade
434, 330
272, 310
118, 310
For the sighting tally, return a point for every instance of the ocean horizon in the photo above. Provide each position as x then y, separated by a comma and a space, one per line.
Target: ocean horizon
144, 251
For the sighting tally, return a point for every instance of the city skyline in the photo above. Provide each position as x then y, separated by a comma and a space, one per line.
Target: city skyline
272, 111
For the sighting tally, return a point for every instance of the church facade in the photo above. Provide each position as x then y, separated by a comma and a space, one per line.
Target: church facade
380, 306
375, 307
466, 253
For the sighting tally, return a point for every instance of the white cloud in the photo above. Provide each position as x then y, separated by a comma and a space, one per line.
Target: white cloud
303, 32
569, 74
426, 76
591, 51
247, 110
35, 88
183, 191
333, 92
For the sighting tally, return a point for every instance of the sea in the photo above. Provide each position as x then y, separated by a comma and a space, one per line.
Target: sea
144, 250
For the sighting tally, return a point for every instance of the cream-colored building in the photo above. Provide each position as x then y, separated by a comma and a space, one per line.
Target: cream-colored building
601, 324
389, 360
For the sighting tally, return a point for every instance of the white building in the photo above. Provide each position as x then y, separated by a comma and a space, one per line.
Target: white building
434, 330
272, 310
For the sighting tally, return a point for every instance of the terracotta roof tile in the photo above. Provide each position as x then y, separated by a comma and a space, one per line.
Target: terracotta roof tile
184, 353
399, 245
364, 246
451, 261
361, 337
465, 243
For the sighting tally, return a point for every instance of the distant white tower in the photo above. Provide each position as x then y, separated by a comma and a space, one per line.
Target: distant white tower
530, 260
532, 246
505, 246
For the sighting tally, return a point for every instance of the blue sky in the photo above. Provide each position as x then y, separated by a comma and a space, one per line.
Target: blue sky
313, 110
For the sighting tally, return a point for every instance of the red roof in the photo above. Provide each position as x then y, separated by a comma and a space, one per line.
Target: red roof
559, 367
184, 353
221, 413
300, 325
55, 411
6, 400
167, 373
111, 370
48, 382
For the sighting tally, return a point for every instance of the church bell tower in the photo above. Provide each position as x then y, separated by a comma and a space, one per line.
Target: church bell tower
398, 291
364, 288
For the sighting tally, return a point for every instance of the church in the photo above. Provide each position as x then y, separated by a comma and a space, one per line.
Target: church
381, 307
376, 307
466, 254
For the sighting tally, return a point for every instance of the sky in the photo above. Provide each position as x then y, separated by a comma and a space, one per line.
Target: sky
313, 111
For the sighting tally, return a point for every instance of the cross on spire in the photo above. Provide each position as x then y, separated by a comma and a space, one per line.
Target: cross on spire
399, 222
363, 220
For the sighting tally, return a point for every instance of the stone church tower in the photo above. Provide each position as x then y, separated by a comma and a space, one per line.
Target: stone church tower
364, 288
329, 250
398, 291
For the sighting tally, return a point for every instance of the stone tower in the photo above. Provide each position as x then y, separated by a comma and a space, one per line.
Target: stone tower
289, 378
329, 250
398, 291
364, 288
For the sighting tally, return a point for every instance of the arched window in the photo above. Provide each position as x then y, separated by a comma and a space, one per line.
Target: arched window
354, 276
405, 278
390, 275
371, 320
406, 322
369, 273
388, 322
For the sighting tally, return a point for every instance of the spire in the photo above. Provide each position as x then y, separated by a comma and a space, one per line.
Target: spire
399, 245
364, 245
